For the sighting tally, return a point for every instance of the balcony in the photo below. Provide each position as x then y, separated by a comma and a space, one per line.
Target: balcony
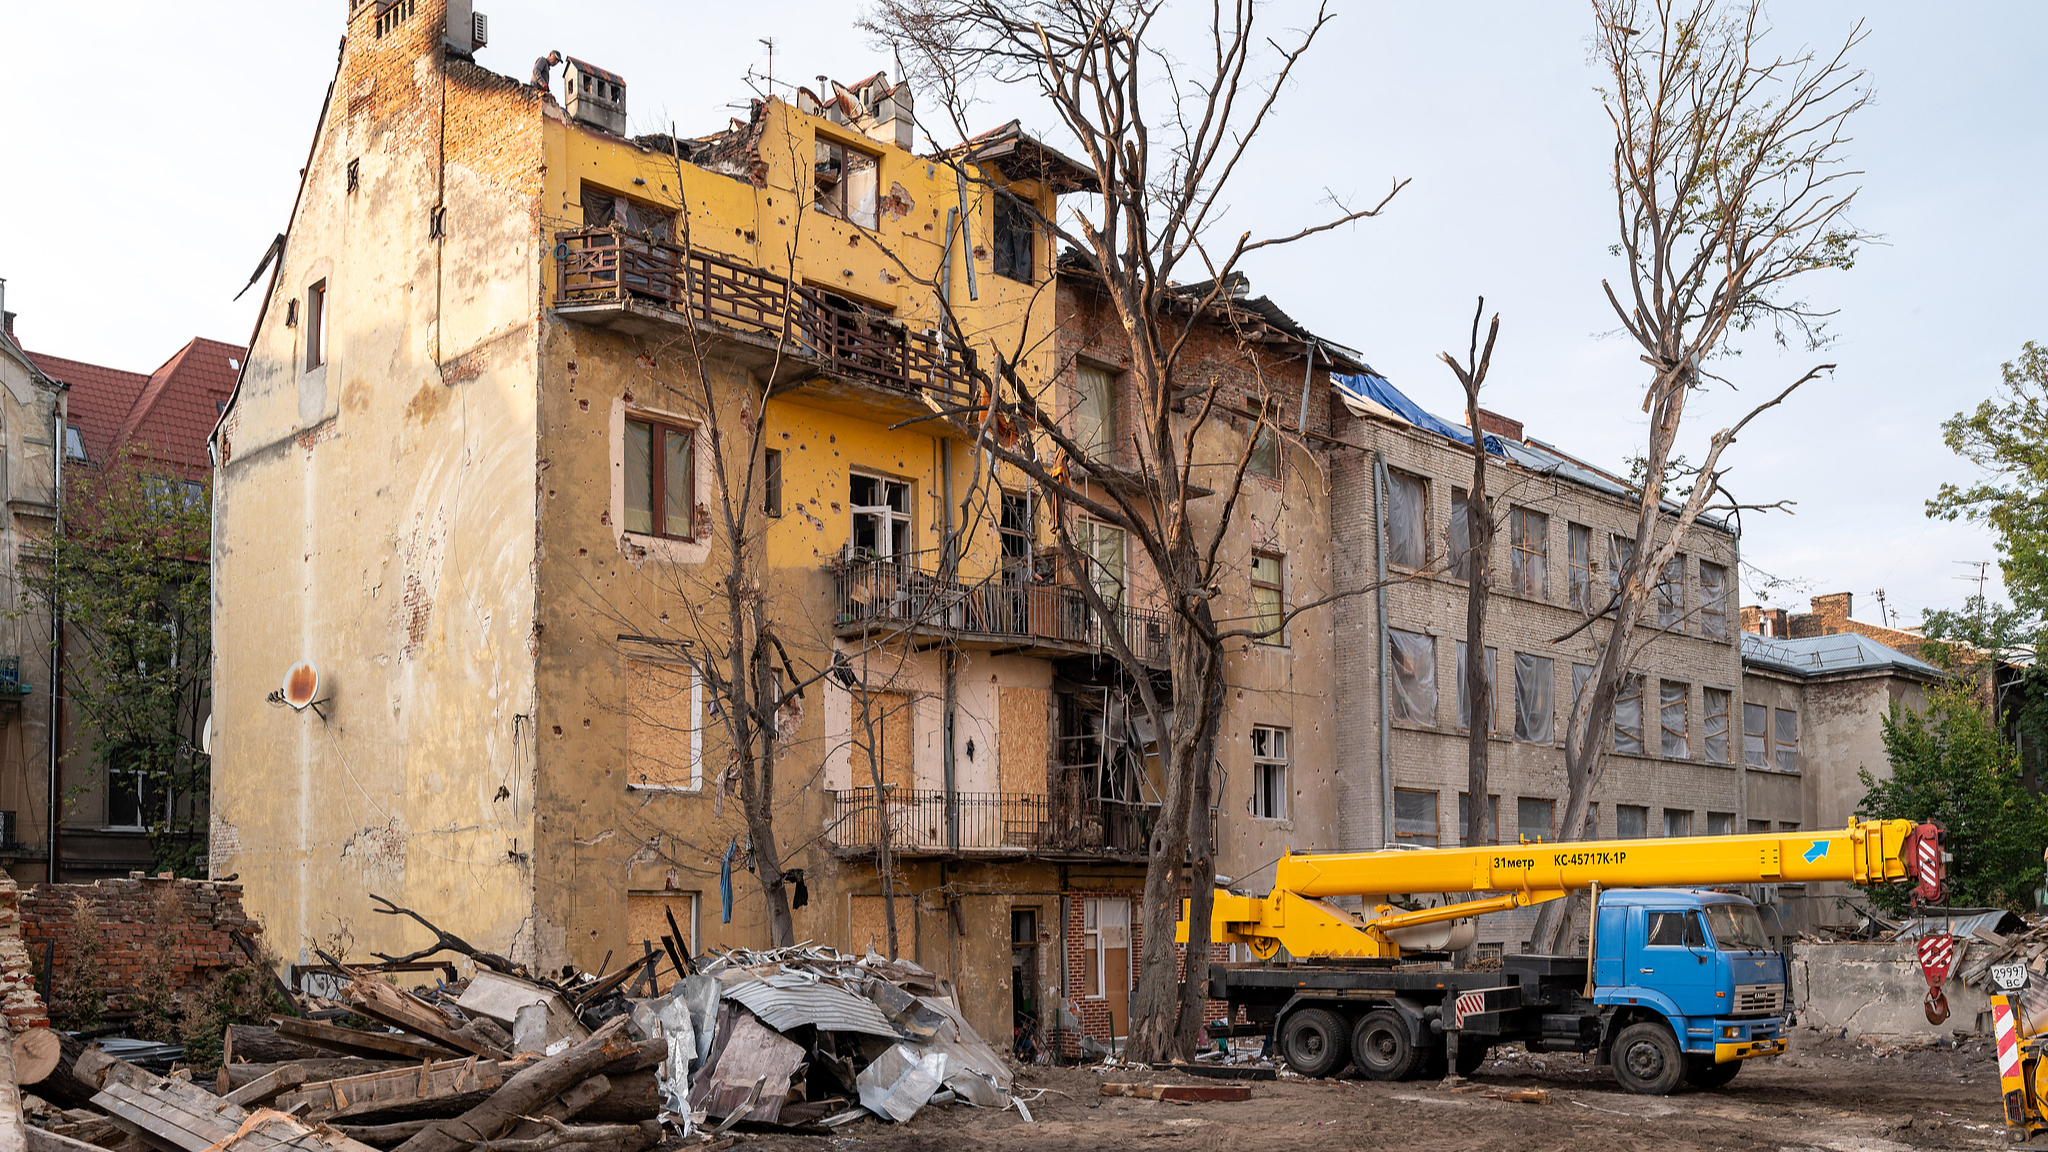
991, 824
11, 686
791, 332
907, 594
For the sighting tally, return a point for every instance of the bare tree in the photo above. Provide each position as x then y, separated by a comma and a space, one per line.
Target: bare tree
1477, 564
1161, 140
1730, 182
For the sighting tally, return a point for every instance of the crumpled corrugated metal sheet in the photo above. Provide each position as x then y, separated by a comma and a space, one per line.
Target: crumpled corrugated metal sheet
784, 1003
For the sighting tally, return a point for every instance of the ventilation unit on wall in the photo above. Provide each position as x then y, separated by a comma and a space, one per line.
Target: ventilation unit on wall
467, 30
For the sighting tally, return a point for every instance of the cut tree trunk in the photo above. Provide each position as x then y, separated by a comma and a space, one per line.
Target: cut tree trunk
527, 1091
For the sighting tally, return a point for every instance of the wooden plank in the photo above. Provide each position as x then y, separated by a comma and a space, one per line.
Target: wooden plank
400, 1008
358, 1042
1182, 1092
357, 1095
233, 1076
268, 1085
44, 1140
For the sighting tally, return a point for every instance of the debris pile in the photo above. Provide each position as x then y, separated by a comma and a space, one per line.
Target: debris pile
801, 1038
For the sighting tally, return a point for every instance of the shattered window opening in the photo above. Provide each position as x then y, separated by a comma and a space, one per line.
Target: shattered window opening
846, 180
1678, 822
771, 482
1015, 531
1756, 736
1535, 818
1787, 740
1492, 691
1671, 593
1015, 235
1269, 772
1535, 704
316, 325
1101, 547
1095, 412
1628, 716
1714, 600
1465, 818
881, 518
1621, 554
1459, 530
1631, 821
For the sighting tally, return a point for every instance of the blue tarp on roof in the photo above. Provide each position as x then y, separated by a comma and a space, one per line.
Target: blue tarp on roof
1379, 390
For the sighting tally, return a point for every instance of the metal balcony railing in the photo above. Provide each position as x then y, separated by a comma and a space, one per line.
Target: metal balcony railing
909, 592
10, 677
991, 823
603, 264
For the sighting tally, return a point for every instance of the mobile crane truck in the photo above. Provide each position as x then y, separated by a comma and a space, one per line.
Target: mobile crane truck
1682, 983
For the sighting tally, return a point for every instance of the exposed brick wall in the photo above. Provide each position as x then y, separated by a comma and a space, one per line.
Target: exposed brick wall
18, 998
204, 917
1094, 1012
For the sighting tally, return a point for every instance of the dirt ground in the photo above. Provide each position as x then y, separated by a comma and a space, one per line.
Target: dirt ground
1826, 1093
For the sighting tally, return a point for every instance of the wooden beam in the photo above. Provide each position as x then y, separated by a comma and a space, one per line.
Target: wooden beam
378, 1091
356, 1041
267, 1086
403, 1009
1182, 1092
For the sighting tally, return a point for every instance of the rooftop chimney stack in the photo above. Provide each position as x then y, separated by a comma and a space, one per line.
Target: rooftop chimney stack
594, 96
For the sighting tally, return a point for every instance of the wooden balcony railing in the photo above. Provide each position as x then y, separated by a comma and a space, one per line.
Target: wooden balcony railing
908, 593
1014, 823
595, 265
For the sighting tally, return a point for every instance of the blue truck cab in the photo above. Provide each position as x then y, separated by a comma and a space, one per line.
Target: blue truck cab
1699, 962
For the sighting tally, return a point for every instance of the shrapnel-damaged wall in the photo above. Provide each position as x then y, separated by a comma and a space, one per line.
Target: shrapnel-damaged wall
19, 1001
144, 924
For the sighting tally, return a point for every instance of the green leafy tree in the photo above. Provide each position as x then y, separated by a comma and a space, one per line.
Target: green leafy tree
1952, 765
2007, 437
127, 569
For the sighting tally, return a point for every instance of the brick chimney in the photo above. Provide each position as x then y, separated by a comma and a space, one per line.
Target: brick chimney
1769, 623
1495, 424
1834, 611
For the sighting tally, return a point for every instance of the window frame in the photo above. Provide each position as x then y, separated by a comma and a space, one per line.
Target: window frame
1007, 222
1492, 658
1624, 812
1780, 747
889, 516
1019, 533
1459, 524
1435, 835
1543, 672
659, 430
1671, 594
1525, 547
1762, 735
1397, 548
1465, 816
1707, 723
1632, 687
316, 324
1683, 821
834, 202
1666, 733
1714, 608
1095, 431
771, 482
1267, 765
1274, 618
1426, 676
1092, 948
1549, 834
1579, 565
1089, 540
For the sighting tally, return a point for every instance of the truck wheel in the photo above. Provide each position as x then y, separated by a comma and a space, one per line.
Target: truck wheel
1382, 1048
1312, 1042
1470, 1056
1647, 1059
1704, 1073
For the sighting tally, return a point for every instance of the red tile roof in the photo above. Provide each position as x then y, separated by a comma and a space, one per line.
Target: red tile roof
166, 414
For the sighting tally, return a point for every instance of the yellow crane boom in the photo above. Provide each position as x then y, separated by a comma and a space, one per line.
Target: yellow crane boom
1298, 913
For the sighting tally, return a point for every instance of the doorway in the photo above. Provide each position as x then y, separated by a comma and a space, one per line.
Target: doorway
1024, 990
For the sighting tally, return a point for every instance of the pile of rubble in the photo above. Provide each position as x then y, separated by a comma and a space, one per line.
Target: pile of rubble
801, 1038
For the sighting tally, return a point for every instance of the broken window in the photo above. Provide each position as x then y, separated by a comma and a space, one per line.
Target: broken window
1720, 823
661, 497
1015, 531
664, 744
1788, 740
1407, 513
1756, 749
881, 518
1095, 411
1529, 561
1671, 593
1265, 454
1628, 717
1460, 533
1015, 239
1674, 701
135, 798
1269, 610
1579, 592
1415, 817
1102, 551
1714, 726
1677, 822
1621, 553
610, 210
1465, 818
1535, 699
1535, 819
316, 325
1465, 700
1631, 821
771, 482
1269, 772
847, 182
1414, 670
1713, 600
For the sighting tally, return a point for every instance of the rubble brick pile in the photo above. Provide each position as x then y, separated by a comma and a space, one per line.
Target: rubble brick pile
19, 1001
134, 916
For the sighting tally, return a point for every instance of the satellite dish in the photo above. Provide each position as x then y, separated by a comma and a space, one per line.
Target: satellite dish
206, 736
301, 684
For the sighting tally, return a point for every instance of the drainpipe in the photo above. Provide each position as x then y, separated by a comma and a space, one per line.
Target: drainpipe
1379, 510
949, 562
56, 723
1308, 376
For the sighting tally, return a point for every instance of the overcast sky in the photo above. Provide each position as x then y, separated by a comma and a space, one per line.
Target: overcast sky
153, 150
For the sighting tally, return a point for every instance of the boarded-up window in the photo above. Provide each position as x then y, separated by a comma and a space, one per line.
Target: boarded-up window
647, 916
1756, 739
1535, 699
1674, 702
1529, 562
1579, 592
1415, 817
1492, 693
1465, 818
1628, 717
1021, 742
884, 735
1714, 600
1714, 724
1788, 740
1631, 821
1413, 657
1407, 520
664, 746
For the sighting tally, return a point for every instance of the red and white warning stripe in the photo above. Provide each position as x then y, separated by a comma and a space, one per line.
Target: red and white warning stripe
2005, 1025
1470, 1004
1937, 953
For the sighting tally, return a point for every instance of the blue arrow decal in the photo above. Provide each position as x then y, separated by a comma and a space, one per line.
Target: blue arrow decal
1819, 849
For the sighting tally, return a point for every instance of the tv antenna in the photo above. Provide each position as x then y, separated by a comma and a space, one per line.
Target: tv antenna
1884, 615
1983, 568
769, 42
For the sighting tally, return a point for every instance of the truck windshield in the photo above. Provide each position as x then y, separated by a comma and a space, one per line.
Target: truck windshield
1736, 927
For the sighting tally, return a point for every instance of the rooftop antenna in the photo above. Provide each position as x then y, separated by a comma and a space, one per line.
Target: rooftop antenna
1884, 615
769, 41
1982, 567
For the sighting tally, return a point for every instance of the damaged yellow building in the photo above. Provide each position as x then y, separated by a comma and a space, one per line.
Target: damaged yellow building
469, 476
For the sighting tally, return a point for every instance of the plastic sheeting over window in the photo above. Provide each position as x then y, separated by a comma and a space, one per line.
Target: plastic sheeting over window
1465, 818
1407, 520
1788, 740
1579, 592
1492, 692
1415, 817
1621, 552
1628, 717
1755, 736
1459, 530
1713, 600
1631, 821
1674, 702
1714, 724
1414, 676
1535, 699
1671, 594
